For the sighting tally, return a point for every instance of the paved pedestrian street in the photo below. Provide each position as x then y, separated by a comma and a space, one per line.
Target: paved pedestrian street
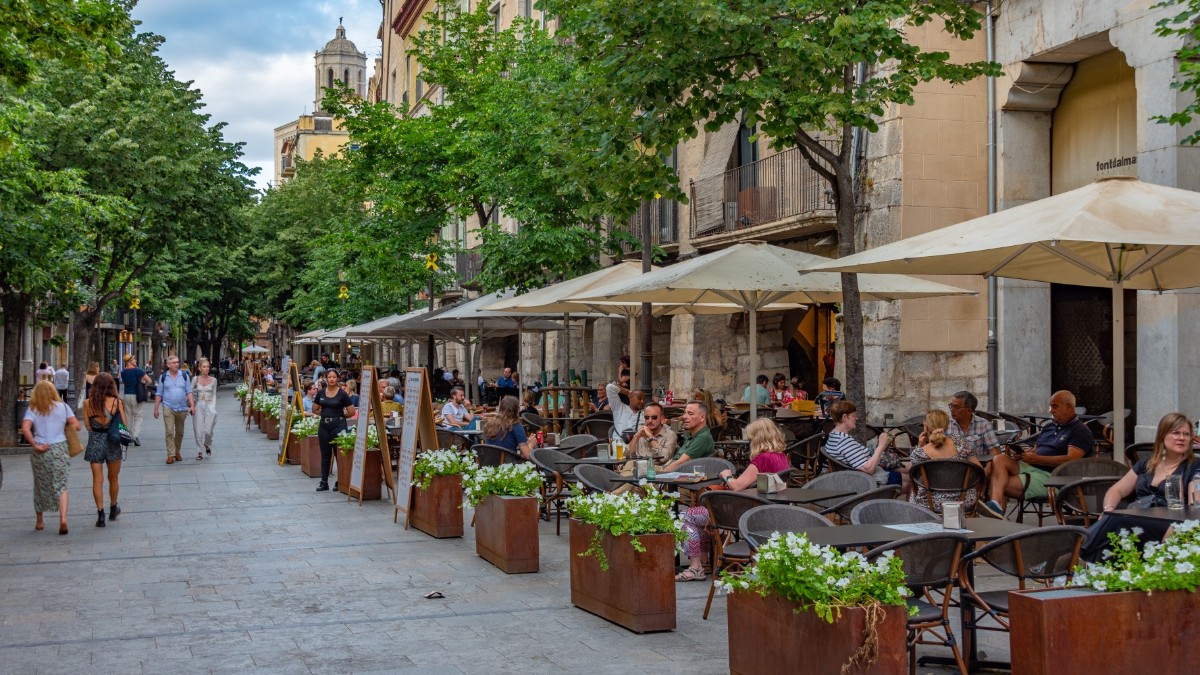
234, 563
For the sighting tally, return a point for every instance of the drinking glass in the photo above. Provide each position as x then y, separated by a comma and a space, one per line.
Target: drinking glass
1173, 491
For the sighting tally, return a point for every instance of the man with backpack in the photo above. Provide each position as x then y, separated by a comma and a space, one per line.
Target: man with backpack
174, 392
134, 395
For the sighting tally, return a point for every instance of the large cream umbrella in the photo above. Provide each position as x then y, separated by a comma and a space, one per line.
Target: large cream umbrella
754, 276
1117, 232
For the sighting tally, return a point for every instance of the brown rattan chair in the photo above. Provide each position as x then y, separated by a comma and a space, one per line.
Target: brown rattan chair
953, 478
728, 550
1085, 467
556, 482
1082, 502
772, 518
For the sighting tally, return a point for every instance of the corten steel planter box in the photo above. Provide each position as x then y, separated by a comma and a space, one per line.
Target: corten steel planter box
506, 533
343, 460
767, 635
310, 457
638, 590
372, 477
437, 509
258, 420
272, 428
1078, 630
293, 450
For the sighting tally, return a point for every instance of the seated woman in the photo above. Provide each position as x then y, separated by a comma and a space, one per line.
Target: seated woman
843, 448
780, 393
934, 444
388, 403
352, 390
310, 392
1172, 456
505, 430
529, 403
766, 456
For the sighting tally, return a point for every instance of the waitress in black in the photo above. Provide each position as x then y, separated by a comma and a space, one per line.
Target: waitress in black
332, 405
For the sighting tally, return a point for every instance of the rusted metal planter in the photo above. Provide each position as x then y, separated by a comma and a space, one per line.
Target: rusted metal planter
310, 457
637, 591
372, 476
437, 509
293, 450
767, 634
1078, 630
506, 533
271, 428
344, 461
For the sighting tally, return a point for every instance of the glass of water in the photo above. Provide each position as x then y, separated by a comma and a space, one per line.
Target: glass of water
1173, 491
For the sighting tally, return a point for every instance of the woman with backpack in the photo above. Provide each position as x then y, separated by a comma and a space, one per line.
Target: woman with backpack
101, 410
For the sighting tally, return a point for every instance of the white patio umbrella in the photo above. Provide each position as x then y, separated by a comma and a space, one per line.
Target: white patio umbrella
753, 276
254, 349
1117, 232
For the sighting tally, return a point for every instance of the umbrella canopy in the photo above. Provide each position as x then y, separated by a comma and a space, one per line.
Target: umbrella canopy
385, 327
1117, 232
254, 349
754, 275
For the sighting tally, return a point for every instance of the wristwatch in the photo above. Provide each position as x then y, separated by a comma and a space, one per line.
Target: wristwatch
725, 479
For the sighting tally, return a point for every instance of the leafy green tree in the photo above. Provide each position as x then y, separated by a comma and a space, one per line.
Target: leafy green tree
82, 32
789, 66
1184, 23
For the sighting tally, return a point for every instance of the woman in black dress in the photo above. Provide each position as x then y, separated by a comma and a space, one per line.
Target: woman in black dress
332, 405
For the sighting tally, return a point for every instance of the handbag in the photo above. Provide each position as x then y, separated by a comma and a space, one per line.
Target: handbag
74, 446
142, 395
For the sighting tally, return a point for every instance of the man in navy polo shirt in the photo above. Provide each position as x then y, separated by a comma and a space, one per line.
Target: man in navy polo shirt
1064, 438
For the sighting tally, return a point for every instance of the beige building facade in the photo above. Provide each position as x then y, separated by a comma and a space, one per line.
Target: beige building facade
1082, 80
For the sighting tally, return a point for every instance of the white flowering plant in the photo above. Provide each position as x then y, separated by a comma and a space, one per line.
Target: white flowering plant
627, 513
304, 427
1170, 565
820, 578
441, 463
511, 480
240, 391
258, 400
345, 440
271, 406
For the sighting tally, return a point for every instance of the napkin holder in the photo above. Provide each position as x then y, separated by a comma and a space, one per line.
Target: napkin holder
769, 483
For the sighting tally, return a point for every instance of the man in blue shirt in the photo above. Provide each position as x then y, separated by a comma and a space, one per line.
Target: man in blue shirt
506, 380
1063, 439
759, 394
174, 392
130, 376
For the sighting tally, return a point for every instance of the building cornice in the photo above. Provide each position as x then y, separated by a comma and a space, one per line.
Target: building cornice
408, 16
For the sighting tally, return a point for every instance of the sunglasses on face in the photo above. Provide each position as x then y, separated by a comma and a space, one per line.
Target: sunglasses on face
651, 417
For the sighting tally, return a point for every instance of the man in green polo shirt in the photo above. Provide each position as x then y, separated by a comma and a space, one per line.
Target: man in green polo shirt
698, 440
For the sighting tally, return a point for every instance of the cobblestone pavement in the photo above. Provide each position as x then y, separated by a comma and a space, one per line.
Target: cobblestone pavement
235, 563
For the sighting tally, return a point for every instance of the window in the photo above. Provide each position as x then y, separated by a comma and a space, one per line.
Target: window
526, 8
329, 78
494, 10
346, 77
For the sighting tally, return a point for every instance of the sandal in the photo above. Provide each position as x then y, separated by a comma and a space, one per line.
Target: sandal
207, 450
199, 456
691, 575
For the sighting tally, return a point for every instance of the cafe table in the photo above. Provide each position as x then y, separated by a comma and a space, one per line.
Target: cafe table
798, 495
977, 530
596, 461
1163, 513
672, 480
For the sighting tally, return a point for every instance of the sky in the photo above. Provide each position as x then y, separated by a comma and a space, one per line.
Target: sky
253, 59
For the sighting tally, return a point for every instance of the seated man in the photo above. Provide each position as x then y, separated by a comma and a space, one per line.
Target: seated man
697, 439
759, 394
1064, 438
831, 391
599, 402
626, 418
456, 414
505, 381
654, 440
976, 433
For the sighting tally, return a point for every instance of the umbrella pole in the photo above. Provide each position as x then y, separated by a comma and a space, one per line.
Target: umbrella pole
633, 332
565, 338
753, 363
1118, 338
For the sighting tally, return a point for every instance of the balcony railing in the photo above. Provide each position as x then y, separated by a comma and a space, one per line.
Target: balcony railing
661, 216
774, 188
467, 266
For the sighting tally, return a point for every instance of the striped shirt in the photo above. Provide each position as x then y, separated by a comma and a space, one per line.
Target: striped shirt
843, 448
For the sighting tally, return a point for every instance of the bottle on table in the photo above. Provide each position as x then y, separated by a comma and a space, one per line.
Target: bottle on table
1194, 491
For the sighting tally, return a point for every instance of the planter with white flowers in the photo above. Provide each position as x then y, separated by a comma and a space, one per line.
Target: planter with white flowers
304, 433
437, 494
623, 558
506, 515
372, 468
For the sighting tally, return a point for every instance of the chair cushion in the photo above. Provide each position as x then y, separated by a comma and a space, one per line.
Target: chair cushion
737, 549
997, 600
926, 612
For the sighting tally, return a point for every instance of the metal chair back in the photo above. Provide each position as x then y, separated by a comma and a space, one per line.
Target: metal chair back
533, 421
850, 481
954, 479
579, 445
805, 456
1082, 502
777, 518
596, 478
891, 512
843, 508
495, 455
1040, 554
448, 439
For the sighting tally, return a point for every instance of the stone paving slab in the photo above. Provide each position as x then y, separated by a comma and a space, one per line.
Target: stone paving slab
235, 564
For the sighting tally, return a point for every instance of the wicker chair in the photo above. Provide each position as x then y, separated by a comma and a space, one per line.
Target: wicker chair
1085, 467
1082, 502
891, 512
729, 552
556, 482
931, 563
834, 465
448, 439
1136, 451
597, 478
532, 421
599, 425
843, 508
494, 455
951, 477
805, 456
855, 482
777, 518
579, 445
1038, 555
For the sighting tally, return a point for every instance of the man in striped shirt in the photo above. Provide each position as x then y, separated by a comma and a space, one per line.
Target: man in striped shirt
976, 433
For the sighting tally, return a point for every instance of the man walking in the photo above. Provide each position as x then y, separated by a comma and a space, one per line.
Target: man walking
62, 380
175, 392
130, 376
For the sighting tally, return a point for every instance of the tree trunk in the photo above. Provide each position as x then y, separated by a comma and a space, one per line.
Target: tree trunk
15, 309
852, 315
83, 332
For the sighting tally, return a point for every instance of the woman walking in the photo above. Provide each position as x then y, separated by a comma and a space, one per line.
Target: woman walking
44, 428
205, 419
99, 410
332, 405
90, 377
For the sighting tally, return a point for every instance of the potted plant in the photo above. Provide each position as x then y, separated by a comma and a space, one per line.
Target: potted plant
1144, 596
623, 558
437, 497
271, 409
506, 515
373, 469
240, 392
304, 431
851, 614
257, 401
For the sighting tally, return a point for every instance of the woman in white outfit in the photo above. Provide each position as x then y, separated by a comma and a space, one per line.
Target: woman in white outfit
205, 419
